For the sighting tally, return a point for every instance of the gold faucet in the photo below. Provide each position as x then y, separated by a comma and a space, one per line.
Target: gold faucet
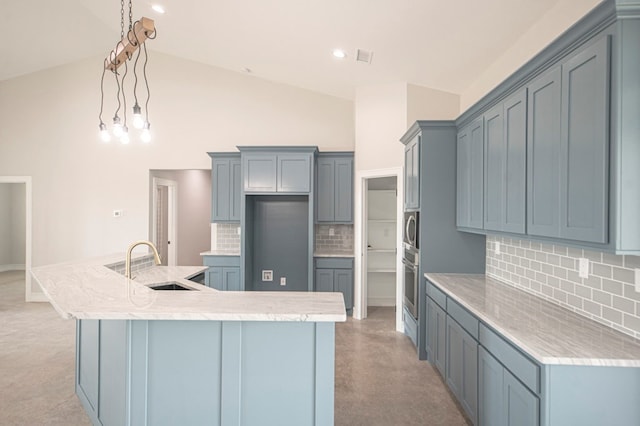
127, 264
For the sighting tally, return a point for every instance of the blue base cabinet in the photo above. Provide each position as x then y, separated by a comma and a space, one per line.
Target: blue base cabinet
229, 373
335, 275
223, 273
436, 335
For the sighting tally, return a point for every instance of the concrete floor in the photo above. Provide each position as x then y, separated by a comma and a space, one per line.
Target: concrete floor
379, 380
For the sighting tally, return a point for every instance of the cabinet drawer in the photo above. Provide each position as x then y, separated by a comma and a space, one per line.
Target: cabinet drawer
221, 261
463, 317
334, 262
437, 295
522, 367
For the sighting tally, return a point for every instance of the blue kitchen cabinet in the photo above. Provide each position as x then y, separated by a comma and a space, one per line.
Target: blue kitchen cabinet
334, 188
462, 367
277, 169
412, 174
519, 405
505, 165
224, 278
226, 180
333, 274
223, 273
584, 145
470, 176
436, 335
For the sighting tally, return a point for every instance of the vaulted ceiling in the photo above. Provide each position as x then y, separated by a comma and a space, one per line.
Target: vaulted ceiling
442, 44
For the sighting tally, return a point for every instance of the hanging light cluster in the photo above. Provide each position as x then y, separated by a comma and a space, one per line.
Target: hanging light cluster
139, 31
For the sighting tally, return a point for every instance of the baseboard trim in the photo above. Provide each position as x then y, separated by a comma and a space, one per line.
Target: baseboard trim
14, 267
381, 301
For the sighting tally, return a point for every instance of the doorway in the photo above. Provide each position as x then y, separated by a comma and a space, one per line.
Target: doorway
164, 219
15, 230
378, 241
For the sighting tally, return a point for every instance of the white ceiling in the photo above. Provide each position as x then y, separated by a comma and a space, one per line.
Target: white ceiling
443, 44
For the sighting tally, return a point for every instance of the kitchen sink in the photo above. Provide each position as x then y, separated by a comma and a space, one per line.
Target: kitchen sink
171, 285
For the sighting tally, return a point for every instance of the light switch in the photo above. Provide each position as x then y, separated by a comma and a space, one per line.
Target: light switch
283, 280
583, 267
117, 213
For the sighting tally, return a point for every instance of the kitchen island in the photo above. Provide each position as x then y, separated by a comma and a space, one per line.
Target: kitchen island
194, 357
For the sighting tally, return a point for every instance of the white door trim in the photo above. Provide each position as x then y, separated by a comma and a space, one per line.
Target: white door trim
172, 220
29, 293
360, 287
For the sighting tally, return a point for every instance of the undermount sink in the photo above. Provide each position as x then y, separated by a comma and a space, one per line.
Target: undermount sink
171, 285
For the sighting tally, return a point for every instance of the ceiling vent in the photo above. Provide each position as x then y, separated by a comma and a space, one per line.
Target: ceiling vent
364, 56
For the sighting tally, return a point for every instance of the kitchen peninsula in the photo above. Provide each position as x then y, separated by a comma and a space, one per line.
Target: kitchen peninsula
194, 357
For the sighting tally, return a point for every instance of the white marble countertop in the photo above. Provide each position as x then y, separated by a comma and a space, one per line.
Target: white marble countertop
220, 253
547, 332
86, 289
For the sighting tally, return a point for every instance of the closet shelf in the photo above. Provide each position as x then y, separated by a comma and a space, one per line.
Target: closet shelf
382, 250
382, 220
384, 270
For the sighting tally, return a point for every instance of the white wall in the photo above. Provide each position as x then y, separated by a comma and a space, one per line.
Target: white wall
12, 224
49, 130
552, 24
194, 212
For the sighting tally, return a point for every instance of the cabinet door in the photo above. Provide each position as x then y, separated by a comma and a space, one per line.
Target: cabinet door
415, 174
462, 367
463, 183
436, 337
259, 172
214, 278
515, 163
584, 172
543, 153
343, 200
494, 153
326, 187
520, 406
294, 173
324, 280
343, 282
490, 381
476, 170
231, 278
235, 191
220, 180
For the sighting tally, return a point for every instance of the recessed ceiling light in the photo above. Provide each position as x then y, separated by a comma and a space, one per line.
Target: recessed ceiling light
339, 53
158, 8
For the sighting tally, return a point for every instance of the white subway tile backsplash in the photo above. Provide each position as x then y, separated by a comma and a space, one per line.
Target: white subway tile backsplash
550, 272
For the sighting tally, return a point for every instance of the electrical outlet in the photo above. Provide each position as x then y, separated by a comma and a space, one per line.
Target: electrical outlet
283, 280
238, 230
637, 277
332, 232
583, 267
117, 213
267, 275
496, 247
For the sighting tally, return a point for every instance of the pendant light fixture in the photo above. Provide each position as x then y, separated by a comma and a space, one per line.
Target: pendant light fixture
138, 32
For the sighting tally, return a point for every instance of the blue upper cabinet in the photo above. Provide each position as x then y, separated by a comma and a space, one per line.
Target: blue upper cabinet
584, 153
470, 176
543, 189
226, 177
412, 175
278, 169
569, 148
334, 188
505, 165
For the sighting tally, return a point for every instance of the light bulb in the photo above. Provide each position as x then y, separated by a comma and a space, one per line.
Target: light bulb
145, 136
138, 122
117, 127
104, 133
124, 138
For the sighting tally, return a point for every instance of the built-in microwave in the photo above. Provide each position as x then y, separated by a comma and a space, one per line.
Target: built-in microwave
411, 228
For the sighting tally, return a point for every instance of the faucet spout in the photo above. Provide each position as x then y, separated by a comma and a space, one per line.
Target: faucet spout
127, 264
